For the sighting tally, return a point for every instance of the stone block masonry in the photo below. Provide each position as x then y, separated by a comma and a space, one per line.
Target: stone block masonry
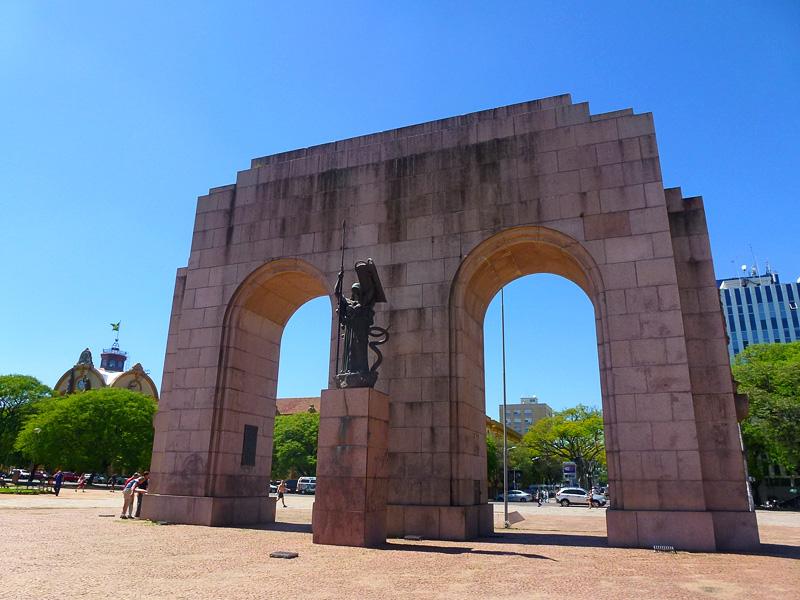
451, 211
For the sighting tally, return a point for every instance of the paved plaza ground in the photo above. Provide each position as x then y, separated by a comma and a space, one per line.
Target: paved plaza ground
75, 546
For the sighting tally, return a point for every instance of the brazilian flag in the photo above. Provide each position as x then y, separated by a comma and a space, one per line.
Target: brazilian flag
115, 326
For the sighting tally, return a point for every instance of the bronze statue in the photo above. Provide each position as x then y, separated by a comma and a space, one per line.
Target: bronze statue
356, 318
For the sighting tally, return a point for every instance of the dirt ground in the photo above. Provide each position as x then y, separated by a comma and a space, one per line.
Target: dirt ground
75, 546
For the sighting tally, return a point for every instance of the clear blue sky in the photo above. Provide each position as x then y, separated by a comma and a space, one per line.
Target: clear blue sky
116, 116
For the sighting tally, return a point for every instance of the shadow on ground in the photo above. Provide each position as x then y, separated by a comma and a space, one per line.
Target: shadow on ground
283, 526
525, 538
547, 539
459, 550
774, 550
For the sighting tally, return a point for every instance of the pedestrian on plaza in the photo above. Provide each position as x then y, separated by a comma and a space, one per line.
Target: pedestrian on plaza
112, 481
15, 477
127, 497
58, 479
30, 476
141, 490
81, 483
281, 492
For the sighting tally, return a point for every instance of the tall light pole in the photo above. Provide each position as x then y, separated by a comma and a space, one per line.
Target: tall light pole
506, 524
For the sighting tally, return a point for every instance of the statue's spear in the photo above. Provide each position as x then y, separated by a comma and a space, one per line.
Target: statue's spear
338, 298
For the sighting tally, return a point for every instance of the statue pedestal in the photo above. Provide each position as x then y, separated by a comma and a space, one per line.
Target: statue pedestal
352, 468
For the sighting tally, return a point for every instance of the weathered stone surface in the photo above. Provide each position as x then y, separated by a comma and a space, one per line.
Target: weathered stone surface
352, 468
451, 211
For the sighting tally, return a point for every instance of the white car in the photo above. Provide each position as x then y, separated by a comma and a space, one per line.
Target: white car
516, 496
306, 485
576, 495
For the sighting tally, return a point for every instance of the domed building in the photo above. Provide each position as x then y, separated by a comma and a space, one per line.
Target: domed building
111, 373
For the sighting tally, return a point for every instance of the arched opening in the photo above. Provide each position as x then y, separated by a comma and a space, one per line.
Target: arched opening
303, 371
553, 418
496, 262
245, 406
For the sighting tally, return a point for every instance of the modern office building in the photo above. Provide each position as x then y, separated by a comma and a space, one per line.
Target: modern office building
522, 416
759, 309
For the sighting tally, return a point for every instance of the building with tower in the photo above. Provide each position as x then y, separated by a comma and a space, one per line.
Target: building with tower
111, 373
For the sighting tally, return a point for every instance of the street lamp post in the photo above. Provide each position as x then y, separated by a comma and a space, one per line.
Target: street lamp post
506, 524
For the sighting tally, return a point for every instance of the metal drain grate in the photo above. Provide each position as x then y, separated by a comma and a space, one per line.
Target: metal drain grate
658, 548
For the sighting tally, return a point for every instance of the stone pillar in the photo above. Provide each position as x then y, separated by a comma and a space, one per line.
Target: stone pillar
352, 468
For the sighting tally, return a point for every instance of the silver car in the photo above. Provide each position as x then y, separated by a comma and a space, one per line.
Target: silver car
576, 495
516, 496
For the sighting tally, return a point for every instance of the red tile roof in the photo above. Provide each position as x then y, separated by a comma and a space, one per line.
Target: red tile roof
291, 406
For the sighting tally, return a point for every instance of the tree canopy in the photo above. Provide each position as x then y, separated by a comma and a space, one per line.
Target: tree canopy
770, 375
574, 434
294, 451
91, 431
18, 395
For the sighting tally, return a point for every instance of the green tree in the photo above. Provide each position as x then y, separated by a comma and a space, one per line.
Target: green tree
91, 431
770, 376
574, 434
494, 462
18, 397
294, 450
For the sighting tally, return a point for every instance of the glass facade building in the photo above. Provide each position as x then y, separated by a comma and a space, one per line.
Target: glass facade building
759, 310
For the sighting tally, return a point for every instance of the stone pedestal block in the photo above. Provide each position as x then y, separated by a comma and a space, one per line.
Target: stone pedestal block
352, 468
698, 531
208, 510
456, 523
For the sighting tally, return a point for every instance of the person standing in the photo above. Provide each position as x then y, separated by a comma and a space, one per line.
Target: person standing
141, 490
112, 482
281, 492
58, 479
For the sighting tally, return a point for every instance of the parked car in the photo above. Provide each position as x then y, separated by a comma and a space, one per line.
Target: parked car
70, 476
576, 495
305, 483
516, 496
291, 485
272, 486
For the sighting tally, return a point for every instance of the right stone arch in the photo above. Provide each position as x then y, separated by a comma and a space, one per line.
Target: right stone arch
675, 478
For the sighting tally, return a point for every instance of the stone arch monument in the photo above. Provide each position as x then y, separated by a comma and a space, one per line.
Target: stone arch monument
450, 211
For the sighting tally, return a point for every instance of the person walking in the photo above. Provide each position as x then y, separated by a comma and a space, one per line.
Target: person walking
141, 490
112, 482
58, 479
281, 492
81, 483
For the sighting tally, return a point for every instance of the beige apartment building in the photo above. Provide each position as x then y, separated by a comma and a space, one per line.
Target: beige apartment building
522, 416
